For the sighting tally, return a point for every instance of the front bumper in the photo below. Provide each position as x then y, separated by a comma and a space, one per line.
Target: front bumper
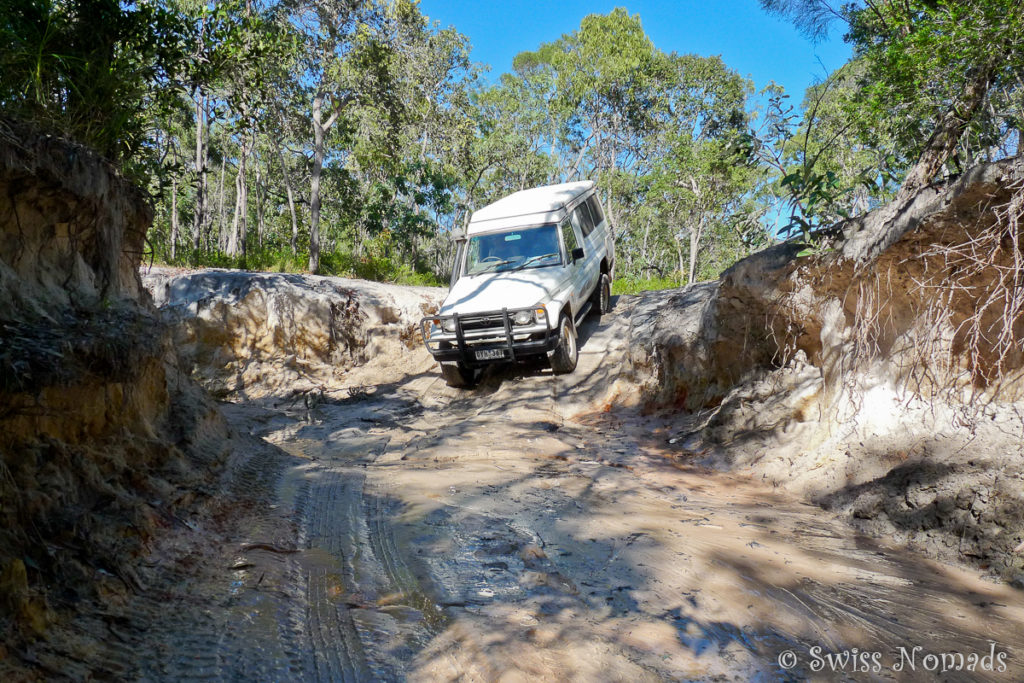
483, 338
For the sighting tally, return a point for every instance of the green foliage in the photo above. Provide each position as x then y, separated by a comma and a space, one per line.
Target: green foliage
93, 70
376, 267
793, 149
338, 262
658, 132
923, 57
269, 132
274, 259
932, 83
381, 269
349, 138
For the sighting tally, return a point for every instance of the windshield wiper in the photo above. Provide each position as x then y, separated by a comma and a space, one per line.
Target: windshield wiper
490, 266
532, 259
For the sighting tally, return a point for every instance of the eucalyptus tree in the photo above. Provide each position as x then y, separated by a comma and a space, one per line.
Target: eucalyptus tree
659, 132
514, 144
939, 62
243, 84
333, 35
283, 136
700, 176
199, 75
608, 78
593, 101
408, 144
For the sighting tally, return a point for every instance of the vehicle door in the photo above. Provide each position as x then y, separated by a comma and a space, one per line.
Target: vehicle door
575, 267
591, 265
602, 237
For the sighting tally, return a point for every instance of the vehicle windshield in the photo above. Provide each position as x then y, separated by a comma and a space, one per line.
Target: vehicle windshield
513, 250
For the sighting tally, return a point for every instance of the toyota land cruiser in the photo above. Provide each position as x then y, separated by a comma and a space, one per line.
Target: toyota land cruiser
527, 270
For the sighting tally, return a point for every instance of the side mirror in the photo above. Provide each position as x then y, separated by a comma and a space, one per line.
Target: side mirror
577, 254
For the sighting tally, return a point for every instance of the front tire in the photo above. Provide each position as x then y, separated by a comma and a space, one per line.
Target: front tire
563, 358
456, 374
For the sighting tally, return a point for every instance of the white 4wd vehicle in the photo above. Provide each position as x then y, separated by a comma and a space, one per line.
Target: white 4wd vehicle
529, 267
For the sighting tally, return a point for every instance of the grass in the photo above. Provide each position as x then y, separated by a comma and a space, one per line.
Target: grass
637, 285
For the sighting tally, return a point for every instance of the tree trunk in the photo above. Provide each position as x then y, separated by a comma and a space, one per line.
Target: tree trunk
198, 216
206, 223
240, 223
647, 236
243, 205
174, 219
231, 248
314, 183
695, 236
608, 212
314, 200
696, 233
220, 202
944, 140
320, 128
260, 194
293, 242
613, 165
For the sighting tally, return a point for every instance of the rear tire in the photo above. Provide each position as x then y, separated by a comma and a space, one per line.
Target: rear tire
563, 358
601, 299
457, 374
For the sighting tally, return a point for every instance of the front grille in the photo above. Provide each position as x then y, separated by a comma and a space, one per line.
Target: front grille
482, 322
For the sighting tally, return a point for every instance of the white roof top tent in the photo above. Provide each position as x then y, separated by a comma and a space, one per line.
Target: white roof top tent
526, 208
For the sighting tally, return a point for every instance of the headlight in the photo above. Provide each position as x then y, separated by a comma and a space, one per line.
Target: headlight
523, 317
448, 324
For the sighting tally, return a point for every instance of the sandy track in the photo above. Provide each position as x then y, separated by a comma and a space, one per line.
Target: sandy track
519, 531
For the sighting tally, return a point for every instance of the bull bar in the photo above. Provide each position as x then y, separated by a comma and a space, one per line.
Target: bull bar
477, 338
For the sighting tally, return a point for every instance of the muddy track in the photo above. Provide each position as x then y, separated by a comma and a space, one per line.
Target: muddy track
414, 532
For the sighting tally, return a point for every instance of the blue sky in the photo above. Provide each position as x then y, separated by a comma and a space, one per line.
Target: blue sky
750, 41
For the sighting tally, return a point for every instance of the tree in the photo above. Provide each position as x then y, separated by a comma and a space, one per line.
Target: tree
609, 83
225, 110
94, 71
943, 57
701, 176
514, 147
338, 47
930, 69
657, 131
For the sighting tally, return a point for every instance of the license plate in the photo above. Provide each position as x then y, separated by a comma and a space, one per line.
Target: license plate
490, 354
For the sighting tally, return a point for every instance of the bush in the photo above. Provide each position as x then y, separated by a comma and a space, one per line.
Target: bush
378, 268
339, 263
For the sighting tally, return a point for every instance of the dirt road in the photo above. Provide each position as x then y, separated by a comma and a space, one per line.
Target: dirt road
403, 530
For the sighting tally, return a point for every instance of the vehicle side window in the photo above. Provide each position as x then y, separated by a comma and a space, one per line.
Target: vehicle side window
584, 219
595, 209
570, 239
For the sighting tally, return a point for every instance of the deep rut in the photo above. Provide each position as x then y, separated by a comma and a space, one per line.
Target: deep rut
330, 538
